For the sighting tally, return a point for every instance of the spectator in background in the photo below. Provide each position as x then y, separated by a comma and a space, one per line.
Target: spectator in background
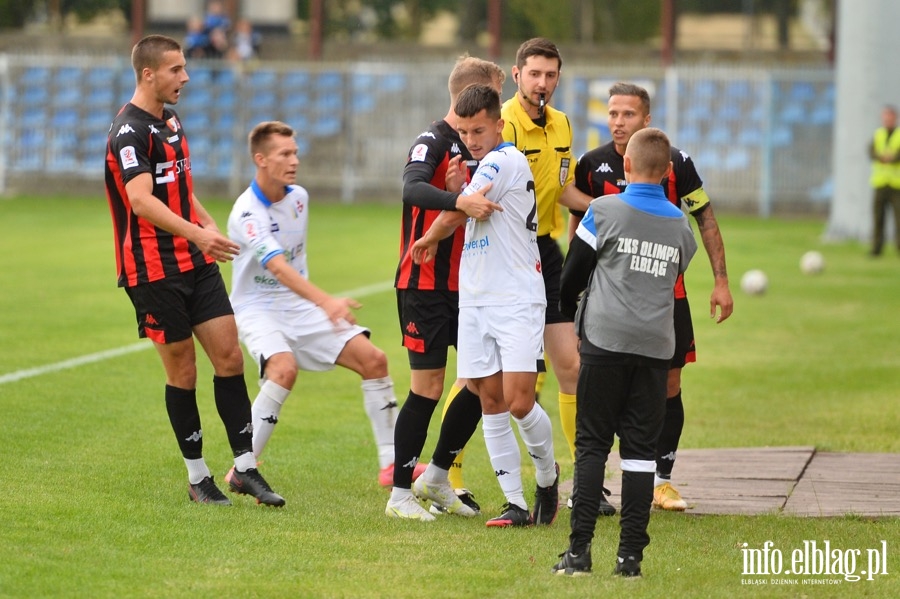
884, 152
216, 26
246, 41
196, 40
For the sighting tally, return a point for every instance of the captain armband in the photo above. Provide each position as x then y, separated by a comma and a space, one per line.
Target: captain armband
695, 200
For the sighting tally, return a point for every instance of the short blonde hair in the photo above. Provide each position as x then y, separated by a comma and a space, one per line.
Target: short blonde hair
259, 137
469, 70
650, 152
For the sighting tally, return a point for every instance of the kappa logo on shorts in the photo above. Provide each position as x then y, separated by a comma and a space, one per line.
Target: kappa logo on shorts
411, 329
149, 320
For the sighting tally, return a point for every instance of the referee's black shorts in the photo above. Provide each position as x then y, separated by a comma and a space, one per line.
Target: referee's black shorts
551, 269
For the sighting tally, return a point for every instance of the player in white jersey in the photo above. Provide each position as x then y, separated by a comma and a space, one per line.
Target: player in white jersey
287, 322
501, 309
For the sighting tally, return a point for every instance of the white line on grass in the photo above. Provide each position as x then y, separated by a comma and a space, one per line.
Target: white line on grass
135, 347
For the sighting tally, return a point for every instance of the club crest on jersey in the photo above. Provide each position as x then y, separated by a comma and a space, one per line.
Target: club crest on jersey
173, 124
128, 156
563, 171
418, 153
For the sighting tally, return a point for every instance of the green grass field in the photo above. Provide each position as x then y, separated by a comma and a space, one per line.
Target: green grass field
95, 500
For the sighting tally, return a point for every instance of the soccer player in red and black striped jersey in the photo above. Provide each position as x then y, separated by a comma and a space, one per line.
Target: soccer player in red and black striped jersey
601, 172
428, 306
167, 246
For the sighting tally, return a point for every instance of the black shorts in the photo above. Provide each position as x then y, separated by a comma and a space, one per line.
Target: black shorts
551, 269
168, 310
685, 350
429, 322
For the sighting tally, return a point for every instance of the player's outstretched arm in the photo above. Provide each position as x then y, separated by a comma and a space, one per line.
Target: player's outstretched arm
147, 206
721, 300
337, 308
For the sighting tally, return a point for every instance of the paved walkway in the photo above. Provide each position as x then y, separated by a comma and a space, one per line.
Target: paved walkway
797, 481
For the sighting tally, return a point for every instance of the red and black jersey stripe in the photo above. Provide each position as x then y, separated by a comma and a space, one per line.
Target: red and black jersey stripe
139, 143
442, 273
601, 171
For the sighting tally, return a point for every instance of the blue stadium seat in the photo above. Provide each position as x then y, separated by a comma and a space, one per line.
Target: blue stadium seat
704, 90
35, 76
736, 159
303, 146
327, 103
200, 75
67, 96
29, 152
100, 98
95, 145
328, 82
263, 79
295, 80
263, 99
719, 134
738, 90
782, 136
296, 100
98, 119
393, 83
792, 114
708, 159
802, 91
225, 121
65, 118
362, 83
326, 125
195, 122
68, 77
104, 77
35, 95
688, 136
363, 103
750, 135
729, 111
33, 116
823, 114
226, 100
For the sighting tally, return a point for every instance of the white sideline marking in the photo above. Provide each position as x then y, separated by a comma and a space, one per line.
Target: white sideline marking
145, 344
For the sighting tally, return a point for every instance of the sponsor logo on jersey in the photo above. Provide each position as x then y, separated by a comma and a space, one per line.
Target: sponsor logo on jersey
563, 171
477, 244
418, 153
265, 281
603, 168
684, 155
173, 138
427, 134
454, 149
126, 128
128, 156
153, 129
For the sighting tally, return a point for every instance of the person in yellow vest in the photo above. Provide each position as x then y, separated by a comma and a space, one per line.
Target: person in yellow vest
544, 135
885, 154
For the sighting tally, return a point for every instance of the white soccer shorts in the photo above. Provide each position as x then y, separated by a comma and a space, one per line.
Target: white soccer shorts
495, 338
315, 341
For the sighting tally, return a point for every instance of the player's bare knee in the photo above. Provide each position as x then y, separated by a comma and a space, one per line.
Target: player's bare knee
375, 365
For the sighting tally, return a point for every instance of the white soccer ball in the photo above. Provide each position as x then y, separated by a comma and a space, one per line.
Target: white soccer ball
812, 263
754, 282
